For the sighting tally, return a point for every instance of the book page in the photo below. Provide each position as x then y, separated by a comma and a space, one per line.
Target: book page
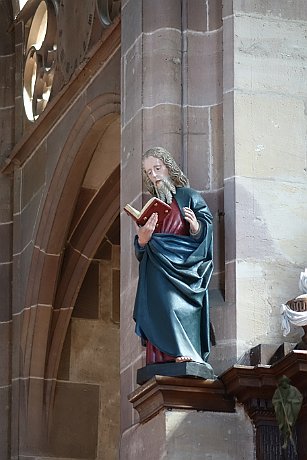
132, 211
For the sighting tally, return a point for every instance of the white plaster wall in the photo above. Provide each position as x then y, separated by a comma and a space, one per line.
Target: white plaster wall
270, 53
270, 179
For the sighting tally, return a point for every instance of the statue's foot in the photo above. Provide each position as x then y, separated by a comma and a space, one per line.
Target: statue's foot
183, 359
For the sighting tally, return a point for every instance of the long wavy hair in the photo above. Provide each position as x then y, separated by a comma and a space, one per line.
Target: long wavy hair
179, 179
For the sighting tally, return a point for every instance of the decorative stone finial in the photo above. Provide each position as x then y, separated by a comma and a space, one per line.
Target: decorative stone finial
295, 311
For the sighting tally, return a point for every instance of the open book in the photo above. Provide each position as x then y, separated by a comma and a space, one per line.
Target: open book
153, 205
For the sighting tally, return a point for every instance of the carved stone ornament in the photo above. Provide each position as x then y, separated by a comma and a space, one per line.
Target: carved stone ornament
57, 41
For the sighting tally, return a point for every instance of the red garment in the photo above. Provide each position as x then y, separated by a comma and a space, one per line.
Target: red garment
154, 356
173, 223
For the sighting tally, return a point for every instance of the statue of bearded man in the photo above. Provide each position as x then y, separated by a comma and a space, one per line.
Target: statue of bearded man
171, 306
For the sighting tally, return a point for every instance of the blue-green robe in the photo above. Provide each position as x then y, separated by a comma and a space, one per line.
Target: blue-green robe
171, 306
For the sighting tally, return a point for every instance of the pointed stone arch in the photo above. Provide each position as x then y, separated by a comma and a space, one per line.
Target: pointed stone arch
57, 269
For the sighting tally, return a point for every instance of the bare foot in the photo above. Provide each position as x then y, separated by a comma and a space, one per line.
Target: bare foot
183, 359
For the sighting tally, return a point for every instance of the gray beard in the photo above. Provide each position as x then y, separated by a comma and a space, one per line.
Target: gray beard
166, 190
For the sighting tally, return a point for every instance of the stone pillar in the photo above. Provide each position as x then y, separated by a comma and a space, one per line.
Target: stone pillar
265, 95
202, 98
7, 78
203, 149
151, 115
7, 109
171, 96
5, 315
20, 120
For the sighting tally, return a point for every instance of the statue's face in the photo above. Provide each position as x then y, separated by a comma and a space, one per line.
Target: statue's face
155, 170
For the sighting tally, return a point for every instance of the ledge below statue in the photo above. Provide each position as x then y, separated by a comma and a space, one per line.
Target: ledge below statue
248, 386
185, 369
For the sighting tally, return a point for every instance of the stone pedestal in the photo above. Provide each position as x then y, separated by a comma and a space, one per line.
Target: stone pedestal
184, 418
231, 417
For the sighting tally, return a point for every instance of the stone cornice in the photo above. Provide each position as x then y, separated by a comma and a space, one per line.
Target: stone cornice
100, 56
253, 386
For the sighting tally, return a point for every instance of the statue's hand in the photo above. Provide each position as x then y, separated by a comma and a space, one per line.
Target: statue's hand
191, 218
145, 232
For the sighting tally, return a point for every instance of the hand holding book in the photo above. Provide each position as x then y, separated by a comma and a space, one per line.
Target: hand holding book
145, 232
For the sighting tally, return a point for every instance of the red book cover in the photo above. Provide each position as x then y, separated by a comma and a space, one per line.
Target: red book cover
153, 205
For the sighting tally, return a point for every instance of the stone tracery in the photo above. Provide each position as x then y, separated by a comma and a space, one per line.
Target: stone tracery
40, 61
